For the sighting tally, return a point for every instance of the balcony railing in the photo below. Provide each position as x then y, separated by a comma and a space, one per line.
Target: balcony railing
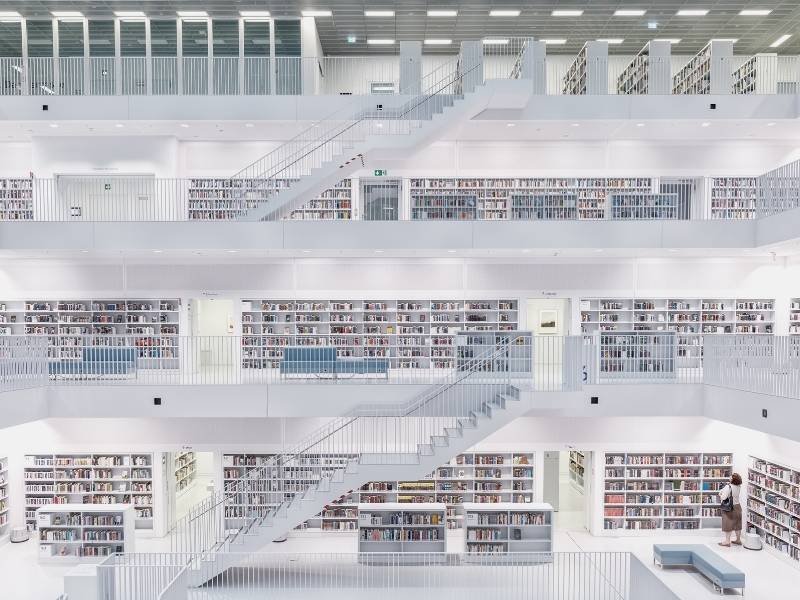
749, 362
357, 75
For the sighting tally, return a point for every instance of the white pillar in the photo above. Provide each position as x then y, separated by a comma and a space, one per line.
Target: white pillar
117, 57
410, 68
148, 58
87, 71
179, 55
210, 61
240, 62
25, 75
56, 66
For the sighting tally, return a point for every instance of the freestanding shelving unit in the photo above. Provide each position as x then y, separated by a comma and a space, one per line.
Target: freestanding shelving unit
708, 71
576, 469
98, 479
644, 491
773, 505
649, 72
588, 73
398, 527
4, 496
758, 75
506, 528
80, 532
794, 316
185, 469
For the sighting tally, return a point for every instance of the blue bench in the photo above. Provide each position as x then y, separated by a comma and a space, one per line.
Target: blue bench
320, 361
721, 573
99, 360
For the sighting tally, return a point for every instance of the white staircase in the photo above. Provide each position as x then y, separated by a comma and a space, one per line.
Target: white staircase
370, 129
374, 442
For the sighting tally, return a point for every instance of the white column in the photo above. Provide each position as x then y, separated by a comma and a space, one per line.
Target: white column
596, 68
117, 57
56, 66
272, 61
534, 65
210, 61
87, 71
25, 75
179, 55
659, 71
240, 62
410, 68
721, 58
148, 57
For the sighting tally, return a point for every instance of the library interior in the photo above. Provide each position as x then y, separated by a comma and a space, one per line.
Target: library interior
480, 299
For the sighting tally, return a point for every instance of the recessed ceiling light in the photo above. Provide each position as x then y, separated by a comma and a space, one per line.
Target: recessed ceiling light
379, 125
185, 125
566, 13
84, 251
192, 13
351, 39
629, 12
598, 250
54, 125
670, 40
771, 124
438, 42
612, 41
157, 251
652, 24
378, 251
671, 250
451, 251
495, 41
555, 41
692, 12
705, 124
576, 124
10, 14
755, 12
526, 250
511, 124
380, 42
306, 251
504, 13
232, 251
640, 124
378, 13
442, 13
254, 14
249, 125
119, 125
780, 40
67, 14
316, 13
129, 14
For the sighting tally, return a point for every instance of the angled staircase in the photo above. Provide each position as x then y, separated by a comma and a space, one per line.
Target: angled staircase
409, 440
362, 134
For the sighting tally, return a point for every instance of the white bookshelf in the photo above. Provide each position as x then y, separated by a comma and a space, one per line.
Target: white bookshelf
707, 72
649, 72
460, 198
16, 199
773, 505
79, 532
507, 528
4, 497
758, 75
185, 469
628, 353
689, 318
576, 469
152, 326
733, 198
85, 478
418, 334
397, 527
670, 491
794, 316
588, 73
222, 199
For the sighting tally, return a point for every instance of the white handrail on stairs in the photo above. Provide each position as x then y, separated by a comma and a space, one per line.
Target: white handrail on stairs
334, 139
371, 434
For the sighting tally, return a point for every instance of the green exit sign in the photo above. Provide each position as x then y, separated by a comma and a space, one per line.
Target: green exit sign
379, 172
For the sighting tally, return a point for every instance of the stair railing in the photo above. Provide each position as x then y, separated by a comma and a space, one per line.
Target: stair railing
375, 433
330, 138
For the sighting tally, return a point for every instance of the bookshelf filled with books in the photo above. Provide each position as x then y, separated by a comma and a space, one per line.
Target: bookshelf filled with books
576, 469
707, 72
151, 326
185, 469
773, 505
86, 478
410, 334
588, 73
506, 528
647, 491
733, 198
649, 72
758, 75
84, 533
397, 527
794, 316
16, 199
4, 497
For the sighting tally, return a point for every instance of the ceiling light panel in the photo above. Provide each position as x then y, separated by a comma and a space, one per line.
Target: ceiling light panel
780, 40
692, 12
254, 14
315, 13
754, 12
438, 42
442, 13
378, 13
630, 12
566, 13
183, 14
504, 13
380, 42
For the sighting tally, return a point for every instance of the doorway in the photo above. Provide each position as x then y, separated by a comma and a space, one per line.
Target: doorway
380, 199
567, 486
212, 321
193, 479
549, 320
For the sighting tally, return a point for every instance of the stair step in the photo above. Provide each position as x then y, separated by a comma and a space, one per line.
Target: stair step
440, 441
454, 432
425, 449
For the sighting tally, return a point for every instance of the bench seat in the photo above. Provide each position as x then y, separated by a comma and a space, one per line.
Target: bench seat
718, 570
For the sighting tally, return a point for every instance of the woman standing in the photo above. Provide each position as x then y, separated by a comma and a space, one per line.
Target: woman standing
731, 511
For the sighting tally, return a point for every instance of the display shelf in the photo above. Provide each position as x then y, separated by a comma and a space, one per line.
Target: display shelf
506, 528
707, 72
628, 353
794, 316
397, 527
733, 198
648, 72
588, 73
152, 326
4, 497
670, 491
185, 469
576, 469
87, 478
224, 199
773, 505
78, 532
16, 199
758, 75
689, 318
408, 333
